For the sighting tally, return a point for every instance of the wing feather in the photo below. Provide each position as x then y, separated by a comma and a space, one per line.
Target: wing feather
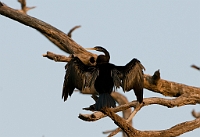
77, 76
131, 76
116, 77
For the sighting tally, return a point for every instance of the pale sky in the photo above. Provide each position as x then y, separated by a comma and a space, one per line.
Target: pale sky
163, 35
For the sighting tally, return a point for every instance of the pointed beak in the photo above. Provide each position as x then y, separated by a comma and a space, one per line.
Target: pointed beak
90, 48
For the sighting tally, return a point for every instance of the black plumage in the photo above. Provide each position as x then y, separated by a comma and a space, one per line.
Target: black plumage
103, 77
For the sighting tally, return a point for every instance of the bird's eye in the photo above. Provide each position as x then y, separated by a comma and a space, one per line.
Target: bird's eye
92, 60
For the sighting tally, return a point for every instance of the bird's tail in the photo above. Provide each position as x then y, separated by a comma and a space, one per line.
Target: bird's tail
105, 100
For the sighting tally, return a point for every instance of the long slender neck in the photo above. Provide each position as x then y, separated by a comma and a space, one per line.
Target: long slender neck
107, 55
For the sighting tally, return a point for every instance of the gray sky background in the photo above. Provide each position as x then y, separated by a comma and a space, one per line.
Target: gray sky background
163, 35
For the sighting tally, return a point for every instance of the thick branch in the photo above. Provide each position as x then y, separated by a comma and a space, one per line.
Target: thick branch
121, 99
56, 36
186, 99
97, 115
137, 108
174, 131
185, 94
168, 88
127, 128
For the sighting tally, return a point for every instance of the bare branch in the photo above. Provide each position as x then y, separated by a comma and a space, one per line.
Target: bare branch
121, 99
24, 8
138, 107
196, 114
127, 128
185, 95
70, 32
180, 128
174, 131
57, 58
186, 99
168, 88
56, 36
108, 131
195, 67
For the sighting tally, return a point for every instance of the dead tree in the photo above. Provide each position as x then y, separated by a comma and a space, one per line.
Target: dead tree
184, 94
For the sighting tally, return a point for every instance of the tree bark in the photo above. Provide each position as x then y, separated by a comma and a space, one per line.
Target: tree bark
185, 95
59, 38
172, 132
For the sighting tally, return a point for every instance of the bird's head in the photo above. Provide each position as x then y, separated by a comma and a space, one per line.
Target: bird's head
101, 58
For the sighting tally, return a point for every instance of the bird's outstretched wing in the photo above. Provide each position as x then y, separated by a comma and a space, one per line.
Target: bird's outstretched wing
130, 77
78, 76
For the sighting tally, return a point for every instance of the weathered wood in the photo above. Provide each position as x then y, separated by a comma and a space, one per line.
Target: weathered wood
24, 8
127, 128
195, 114
171, 132
57, 58
168, 88
185, 95
195, 67
59, 38
186, 99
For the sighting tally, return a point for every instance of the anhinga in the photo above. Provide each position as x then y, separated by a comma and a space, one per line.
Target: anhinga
103, 77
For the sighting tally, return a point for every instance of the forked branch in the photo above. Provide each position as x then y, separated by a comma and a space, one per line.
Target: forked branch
59, 38
186, 99
24, 8
132, 132
185, 95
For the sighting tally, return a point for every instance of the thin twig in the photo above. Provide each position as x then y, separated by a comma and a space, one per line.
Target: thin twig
195, 114
24, 8
195, 67
69, 34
